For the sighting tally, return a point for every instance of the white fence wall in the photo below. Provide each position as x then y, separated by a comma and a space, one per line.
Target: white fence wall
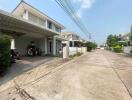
127, 49
74, 50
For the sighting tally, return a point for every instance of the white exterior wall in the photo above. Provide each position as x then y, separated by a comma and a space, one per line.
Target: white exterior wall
75, 50
127, 49
25, 15
37, 20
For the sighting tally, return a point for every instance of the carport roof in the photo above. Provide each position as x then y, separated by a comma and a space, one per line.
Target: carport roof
12, 24
61, 38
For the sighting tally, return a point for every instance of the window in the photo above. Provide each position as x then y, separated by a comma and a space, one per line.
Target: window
49, 25
57, 29
70, 44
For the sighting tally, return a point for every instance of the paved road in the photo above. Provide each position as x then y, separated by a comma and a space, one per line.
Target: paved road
90, 77
99, 75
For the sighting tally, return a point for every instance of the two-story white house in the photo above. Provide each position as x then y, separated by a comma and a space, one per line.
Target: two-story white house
26, 24
74, 42
73, 39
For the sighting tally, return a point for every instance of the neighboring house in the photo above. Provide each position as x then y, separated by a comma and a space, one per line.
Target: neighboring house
128, 48
73, 39
74, 42
26, 24
124, 37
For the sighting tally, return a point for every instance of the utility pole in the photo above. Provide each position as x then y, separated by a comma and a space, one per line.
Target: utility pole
130, 36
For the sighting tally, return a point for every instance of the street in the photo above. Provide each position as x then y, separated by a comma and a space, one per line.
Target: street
98, 75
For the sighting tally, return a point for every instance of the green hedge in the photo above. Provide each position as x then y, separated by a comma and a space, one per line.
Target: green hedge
117, 49
5, 60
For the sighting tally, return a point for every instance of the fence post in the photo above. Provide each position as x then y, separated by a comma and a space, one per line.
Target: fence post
65, 52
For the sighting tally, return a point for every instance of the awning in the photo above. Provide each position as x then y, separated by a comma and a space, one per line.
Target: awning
61, 38
17, 26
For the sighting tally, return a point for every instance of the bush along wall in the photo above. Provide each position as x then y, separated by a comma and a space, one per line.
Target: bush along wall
5, 60
117, 49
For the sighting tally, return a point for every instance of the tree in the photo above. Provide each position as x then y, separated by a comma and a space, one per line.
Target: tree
90, 45
112, 40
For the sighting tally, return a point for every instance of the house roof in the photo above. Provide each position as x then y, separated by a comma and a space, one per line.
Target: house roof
26, 5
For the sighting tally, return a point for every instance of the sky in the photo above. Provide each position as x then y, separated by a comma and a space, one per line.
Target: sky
101, 17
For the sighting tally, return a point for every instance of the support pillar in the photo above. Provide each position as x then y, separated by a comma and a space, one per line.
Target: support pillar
65, 51
46, 24
46, 45
73, 44
13, 44
54, 45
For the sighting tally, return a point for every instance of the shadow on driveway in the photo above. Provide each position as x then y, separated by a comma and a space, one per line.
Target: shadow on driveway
24, 65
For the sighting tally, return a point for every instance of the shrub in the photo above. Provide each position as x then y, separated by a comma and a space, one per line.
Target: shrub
90, 46
117, 49
78, 54
4, 53
131, 51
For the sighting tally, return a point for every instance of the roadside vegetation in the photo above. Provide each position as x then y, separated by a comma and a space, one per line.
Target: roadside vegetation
5, 60
115, 44
76, 55
90, 46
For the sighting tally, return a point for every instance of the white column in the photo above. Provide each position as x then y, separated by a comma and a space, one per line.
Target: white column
72, 43
13, 44
46, 24
57, 47
54, 45
65, 51
46, 45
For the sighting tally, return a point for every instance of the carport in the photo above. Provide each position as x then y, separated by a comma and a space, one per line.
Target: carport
24, 31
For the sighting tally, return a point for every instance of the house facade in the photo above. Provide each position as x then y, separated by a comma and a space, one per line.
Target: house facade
74, 42
124, 37
73, 39
26, 24
127, 38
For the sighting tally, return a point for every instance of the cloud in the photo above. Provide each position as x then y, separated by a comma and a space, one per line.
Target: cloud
85, 4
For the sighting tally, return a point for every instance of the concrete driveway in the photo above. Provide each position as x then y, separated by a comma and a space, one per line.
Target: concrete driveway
24, 65
89, 77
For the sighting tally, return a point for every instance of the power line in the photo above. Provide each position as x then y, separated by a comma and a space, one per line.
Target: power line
69, 9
